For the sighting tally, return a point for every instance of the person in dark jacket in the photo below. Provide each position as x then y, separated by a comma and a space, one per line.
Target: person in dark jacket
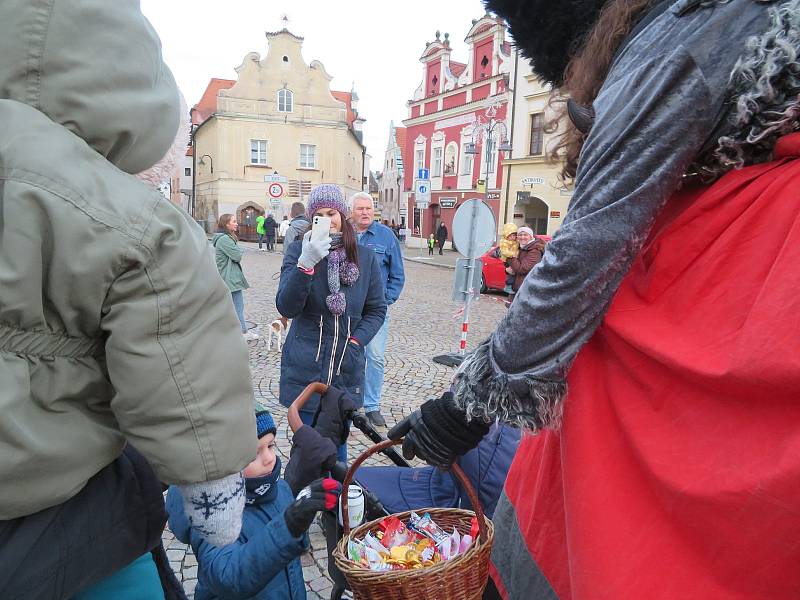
530, 253
297, 226
441, 236
334, 294
270, 229
264, 563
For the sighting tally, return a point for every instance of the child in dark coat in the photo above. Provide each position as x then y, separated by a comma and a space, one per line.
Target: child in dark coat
264, 563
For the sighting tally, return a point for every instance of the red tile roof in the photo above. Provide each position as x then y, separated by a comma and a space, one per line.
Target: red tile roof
208, 103
400, 135
346, 98
457, 68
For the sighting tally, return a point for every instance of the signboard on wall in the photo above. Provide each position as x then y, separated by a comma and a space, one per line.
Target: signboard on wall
532, 181
447, 202
555, 214
493, 196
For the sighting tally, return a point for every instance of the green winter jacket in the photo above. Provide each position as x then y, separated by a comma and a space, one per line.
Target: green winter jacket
113, 321
228, 256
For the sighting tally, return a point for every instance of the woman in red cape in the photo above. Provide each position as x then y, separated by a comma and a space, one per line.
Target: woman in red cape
661, 368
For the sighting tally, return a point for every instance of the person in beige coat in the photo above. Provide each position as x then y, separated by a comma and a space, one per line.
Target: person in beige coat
115, 326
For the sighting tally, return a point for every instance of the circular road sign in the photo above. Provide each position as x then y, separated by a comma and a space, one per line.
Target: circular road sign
275, 190
474, 228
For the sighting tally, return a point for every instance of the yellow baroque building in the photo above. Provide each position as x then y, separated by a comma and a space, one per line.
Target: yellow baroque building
279, 120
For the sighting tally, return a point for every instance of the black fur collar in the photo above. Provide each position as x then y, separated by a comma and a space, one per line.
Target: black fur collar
548, 32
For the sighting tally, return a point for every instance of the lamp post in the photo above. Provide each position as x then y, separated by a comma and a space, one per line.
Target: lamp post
486, 131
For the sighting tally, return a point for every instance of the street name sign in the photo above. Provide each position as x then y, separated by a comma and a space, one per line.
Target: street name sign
275, 179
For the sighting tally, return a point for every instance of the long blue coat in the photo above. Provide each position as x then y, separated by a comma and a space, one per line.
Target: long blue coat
263, 564
317, 347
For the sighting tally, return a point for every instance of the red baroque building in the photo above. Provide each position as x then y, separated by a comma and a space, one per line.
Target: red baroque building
451, 100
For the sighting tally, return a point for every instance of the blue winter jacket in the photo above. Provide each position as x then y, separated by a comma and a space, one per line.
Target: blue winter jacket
263, 564
317, 347
383, 242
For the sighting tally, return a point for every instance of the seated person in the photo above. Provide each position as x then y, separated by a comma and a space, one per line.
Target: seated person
264, 563
400, 489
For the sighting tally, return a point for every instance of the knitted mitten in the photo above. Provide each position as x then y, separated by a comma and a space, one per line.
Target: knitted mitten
215, 507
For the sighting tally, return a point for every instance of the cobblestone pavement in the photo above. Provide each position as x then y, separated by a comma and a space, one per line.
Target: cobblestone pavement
422, 324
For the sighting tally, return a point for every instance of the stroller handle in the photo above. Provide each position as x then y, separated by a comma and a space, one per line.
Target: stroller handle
295, 422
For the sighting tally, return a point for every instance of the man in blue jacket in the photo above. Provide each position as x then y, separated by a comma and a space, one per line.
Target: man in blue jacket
383, 242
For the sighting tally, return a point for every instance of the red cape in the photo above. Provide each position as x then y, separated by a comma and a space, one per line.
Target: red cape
677, 471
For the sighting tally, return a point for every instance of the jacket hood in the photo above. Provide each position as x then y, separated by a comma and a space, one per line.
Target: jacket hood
94, 67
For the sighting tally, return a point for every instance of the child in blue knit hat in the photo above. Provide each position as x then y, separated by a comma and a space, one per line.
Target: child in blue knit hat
265, 561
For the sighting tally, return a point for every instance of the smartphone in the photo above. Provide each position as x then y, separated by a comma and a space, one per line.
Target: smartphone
321, 227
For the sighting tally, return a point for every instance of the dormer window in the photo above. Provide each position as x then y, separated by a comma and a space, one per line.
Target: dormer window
485, 61
285, 100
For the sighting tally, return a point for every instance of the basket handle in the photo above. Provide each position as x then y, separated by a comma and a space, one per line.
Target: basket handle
295, 422
473, 497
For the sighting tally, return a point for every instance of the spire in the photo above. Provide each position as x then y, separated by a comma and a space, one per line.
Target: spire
353, 94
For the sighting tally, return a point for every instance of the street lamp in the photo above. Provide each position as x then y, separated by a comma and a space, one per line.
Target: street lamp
486, 131
211, 160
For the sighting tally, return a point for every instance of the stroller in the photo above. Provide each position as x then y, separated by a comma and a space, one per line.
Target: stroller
488, 463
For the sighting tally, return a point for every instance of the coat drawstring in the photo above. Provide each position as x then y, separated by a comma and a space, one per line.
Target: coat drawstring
347, 341
319, 344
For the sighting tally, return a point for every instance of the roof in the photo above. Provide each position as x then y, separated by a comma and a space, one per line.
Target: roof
457, 68
400, 136
346, 98
208, 102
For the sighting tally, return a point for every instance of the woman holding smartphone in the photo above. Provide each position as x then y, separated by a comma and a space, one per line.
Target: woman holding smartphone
331, 289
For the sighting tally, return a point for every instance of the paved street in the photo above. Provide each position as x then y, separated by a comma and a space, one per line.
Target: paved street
422, 324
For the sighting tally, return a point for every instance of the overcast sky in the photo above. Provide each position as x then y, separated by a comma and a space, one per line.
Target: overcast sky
375, 44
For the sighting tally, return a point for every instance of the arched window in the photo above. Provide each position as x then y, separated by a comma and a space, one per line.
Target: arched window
285, 100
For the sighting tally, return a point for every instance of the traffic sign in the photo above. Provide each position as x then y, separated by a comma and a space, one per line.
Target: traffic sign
423, 174
275, 179
422, 192
275, 190
474, 228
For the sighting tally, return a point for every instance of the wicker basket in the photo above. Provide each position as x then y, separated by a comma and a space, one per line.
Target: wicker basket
462, 578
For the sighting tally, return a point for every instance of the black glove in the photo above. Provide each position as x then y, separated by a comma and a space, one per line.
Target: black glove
332, 418
311, 456
438, 432
323, 494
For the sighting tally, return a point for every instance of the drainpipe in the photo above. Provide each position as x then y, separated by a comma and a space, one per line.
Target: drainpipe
511, 137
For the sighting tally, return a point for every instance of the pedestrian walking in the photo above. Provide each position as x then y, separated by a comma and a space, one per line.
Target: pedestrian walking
108, 328
382, 241
270, 228
441, 237
282, 228
228, 255
264, 563
431, 244
675, 456
332, 290
297, 226
260, 231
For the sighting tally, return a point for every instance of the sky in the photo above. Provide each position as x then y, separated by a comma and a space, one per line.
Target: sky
374, 44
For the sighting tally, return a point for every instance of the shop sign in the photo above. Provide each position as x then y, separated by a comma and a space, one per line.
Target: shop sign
532, 181
555, 214
493, 196
447, 202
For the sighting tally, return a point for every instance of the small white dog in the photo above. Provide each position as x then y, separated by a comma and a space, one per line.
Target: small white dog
277, 328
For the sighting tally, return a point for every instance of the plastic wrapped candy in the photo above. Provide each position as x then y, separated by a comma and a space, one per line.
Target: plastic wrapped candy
427, 527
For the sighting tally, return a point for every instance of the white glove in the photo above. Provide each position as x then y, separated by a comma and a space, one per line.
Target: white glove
313, 251
215, 508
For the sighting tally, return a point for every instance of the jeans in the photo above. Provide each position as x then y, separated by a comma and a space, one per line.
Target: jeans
307, 417
238, 304
261, 237
271, 243
373, 381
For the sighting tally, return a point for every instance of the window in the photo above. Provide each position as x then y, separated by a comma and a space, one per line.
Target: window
187, 171
308, 156
437, 162
491, 148
258, 152
285, 100
537, 134
466, 163
420, 160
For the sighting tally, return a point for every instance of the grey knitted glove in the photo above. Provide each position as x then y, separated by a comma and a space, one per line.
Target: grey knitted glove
215, 508
313, 251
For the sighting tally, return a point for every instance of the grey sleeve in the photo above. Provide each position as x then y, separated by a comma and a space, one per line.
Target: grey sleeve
291, 235
650, 124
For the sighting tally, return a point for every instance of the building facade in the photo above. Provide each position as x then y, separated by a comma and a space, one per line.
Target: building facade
532, 193
392, 180
444, 115
279, 117
180, 185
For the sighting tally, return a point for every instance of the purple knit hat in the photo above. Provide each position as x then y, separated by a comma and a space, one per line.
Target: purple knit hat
326, 195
